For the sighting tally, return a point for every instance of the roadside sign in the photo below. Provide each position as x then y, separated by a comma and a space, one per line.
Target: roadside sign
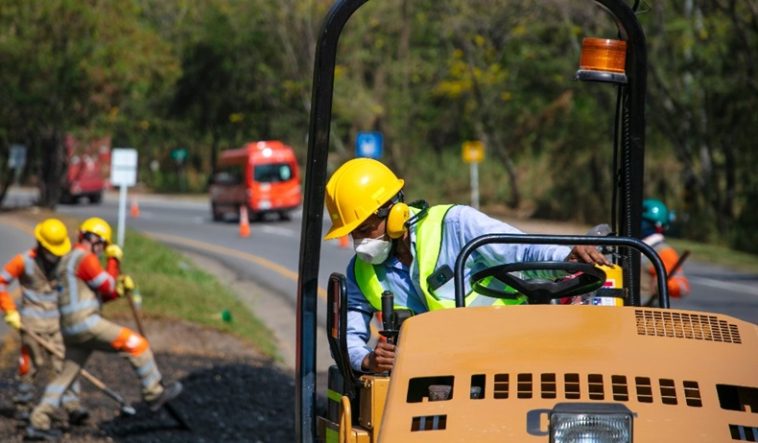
124, 167
179, 154
473, 151
369, 144
17, 157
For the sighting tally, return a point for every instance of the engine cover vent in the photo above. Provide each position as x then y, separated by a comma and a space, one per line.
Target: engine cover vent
689, 326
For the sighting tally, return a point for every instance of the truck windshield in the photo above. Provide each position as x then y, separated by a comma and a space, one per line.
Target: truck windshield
271, 173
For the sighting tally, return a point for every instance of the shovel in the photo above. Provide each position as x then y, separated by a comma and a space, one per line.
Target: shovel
126, 408
167, 406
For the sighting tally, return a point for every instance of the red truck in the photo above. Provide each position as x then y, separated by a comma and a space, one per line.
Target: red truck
88, 169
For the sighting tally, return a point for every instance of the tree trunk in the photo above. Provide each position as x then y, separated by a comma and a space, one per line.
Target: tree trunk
52, 169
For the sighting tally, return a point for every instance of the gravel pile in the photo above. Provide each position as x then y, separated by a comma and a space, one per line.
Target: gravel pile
231, 394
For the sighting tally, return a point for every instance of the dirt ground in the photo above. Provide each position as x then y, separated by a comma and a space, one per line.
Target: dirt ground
231, 393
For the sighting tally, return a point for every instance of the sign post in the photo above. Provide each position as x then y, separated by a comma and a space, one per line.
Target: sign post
473, 154
123, 175
17, 160
369, 144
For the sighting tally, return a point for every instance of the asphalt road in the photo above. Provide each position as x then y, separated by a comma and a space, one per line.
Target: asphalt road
270, 255
13, 240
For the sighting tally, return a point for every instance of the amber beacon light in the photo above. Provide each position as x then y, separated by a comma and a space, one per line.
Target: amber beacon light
602, 60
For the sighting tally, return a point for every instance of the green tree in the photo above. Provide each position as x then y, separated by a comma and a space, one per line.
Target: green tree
70, 65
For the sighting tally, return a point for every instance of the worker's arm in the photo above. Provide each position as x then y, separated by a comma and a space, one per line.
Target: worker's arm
101, 281
11, 271
358, 327
464, 223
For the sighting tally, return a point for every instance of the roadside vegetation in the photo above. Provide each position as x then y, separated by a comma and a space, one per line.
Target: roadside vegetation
428, 74
171, 286
717, 255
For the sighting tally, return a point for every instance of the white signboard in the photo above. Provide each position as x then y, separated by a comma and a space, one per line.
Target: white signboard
124, 167
17, 157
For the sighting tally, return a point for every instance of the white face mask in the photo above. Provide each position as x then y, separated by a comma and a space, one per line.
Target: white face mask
373, 250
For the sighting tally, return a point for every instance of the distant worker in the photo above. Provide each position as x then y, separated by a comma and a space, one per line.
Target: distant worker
656, 219
399, 247
84, 287
38, 314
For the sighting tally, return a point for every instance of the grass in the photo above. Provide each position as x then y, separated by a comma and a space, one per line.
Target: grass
718, 255
172, 287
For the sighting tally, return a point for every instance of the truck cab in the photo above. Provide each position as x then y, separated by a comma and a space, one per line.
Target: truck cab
262, 176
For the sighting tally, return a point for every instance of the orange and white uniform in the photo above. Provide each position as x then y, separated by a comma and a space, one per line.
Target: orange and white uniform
38, 308
85, 285
678, 285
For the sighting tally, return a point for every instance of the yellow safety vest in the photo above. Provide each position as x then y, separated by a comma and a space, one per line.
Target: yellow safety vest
429, 239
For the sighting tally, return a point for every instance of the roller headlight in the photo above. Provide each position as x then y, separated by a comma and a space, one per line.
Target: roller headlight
590, 423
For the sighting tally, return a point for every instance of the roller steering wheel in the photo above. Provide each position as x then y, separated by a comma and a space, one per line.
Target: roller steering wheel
580, 278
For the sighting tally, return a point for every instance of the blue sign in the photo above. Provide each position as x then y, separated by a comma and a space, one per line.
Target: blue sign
369, 144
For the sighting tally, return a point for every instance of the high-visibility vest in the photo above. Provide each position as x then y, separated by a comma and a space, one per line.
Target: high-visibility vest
429, 239
39, 297
79, 305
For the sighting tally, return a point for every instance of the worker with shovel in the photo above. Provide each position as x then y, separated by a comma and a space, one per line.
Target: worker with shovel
38, 314
84, 287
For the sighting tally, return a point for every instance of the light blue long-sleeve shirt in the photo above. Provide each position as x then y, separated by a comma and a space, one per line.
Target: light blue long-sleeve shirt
462, 224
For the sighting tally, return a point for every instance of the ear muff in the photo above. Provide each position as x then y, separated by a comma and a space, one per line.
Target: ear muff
396, 219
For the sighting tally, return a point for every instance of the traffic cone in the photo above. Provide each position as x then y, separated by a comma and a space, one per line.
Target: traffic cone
134, 209
344, 242
244, 222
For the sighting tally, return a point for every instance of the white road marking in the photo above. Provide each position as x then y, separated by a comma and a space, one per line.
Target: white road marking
274, 230
737, 287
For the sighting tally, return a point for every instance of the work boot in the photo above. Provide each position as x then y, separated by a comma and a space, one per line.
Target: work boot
169, 393
77, 416
37, 434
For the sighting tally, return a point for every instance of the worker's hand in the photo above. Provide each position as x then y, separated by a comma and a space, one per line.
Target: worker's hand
114, 251
124, 284
381, 359
588, 254
13, 318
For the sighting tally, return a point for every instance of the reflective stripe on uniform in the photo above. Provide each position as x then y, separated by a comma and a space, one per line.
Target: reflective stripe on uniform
29, 264
53, 395
100, 279
73, 289
6, 276
36, 312
149, 374
36, 297
82, 326
74, 308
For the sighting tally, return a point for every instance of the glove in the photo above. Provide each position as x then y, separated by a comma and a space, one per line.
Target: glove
123, 284
114, 251
13, 318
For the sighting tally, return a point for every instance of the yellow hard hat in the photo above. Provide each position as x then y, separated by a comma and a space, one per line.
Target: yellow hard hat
97, 226
53, 236
355, 191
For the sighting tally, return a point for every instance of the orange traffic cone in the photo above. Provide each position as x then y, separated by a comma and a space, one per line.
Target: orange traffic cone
344, 242
134, 209
244, 222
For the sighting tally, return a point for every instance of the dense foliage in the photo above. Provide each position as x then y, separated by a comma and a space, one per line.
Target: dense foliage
428, 74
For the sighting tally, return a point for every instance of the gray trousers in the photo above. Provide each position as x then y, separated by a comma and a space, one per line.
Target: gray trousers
103, 336
33, 358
